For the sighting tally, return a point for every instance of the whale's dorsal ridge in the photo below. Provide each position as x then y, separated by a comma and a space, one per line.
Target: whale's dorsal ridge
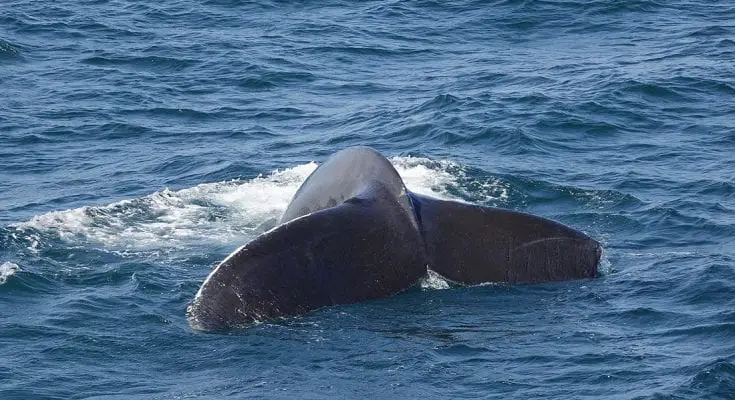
345, 174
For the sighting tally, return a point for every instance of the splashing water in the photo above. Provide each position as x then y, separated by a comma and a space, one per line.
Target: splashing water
229, 212
7, 269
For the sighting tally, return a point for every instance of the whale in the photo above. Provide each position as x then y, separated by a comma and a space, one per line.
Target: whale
354, 232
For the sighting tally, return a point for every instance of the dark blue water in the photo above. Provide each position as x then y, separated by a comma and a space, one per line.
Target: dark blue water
142, 142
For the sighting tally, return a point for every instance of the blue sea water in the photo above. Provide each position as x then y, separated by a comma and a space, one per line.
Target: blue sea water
142, 142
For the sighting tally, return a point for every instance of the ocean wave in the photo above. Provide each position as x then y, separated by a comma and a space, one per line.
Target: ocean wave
714, 380
142, 62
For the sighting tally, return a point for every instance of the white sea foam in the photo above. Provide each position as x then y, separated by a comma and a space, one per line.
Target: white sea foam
228, 212
7, 269
424, 176
433, 280
448, 180
218, 212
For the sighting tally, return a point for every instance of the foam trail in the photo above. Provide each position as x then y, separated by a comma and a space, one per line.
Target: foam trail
228, 213
209, 212
7, 269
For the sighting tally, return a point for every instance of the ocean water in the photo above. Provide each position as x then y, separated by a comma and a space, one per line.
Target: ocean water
142, 142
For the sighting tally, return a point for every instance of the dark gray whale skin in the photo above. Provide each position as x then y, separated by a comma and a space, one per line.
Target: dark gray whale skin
353, 232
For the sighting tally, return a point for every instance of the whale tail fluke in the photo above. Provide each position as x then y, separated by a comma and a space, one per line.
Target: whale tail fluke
472, 244
363, 248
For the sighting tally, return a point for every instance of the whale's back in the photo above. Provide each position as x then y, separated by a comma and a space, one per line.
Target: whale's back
345, 175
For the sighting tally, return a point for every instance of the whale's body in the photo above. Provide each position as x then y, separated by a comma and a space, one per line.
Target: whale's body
353, 232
